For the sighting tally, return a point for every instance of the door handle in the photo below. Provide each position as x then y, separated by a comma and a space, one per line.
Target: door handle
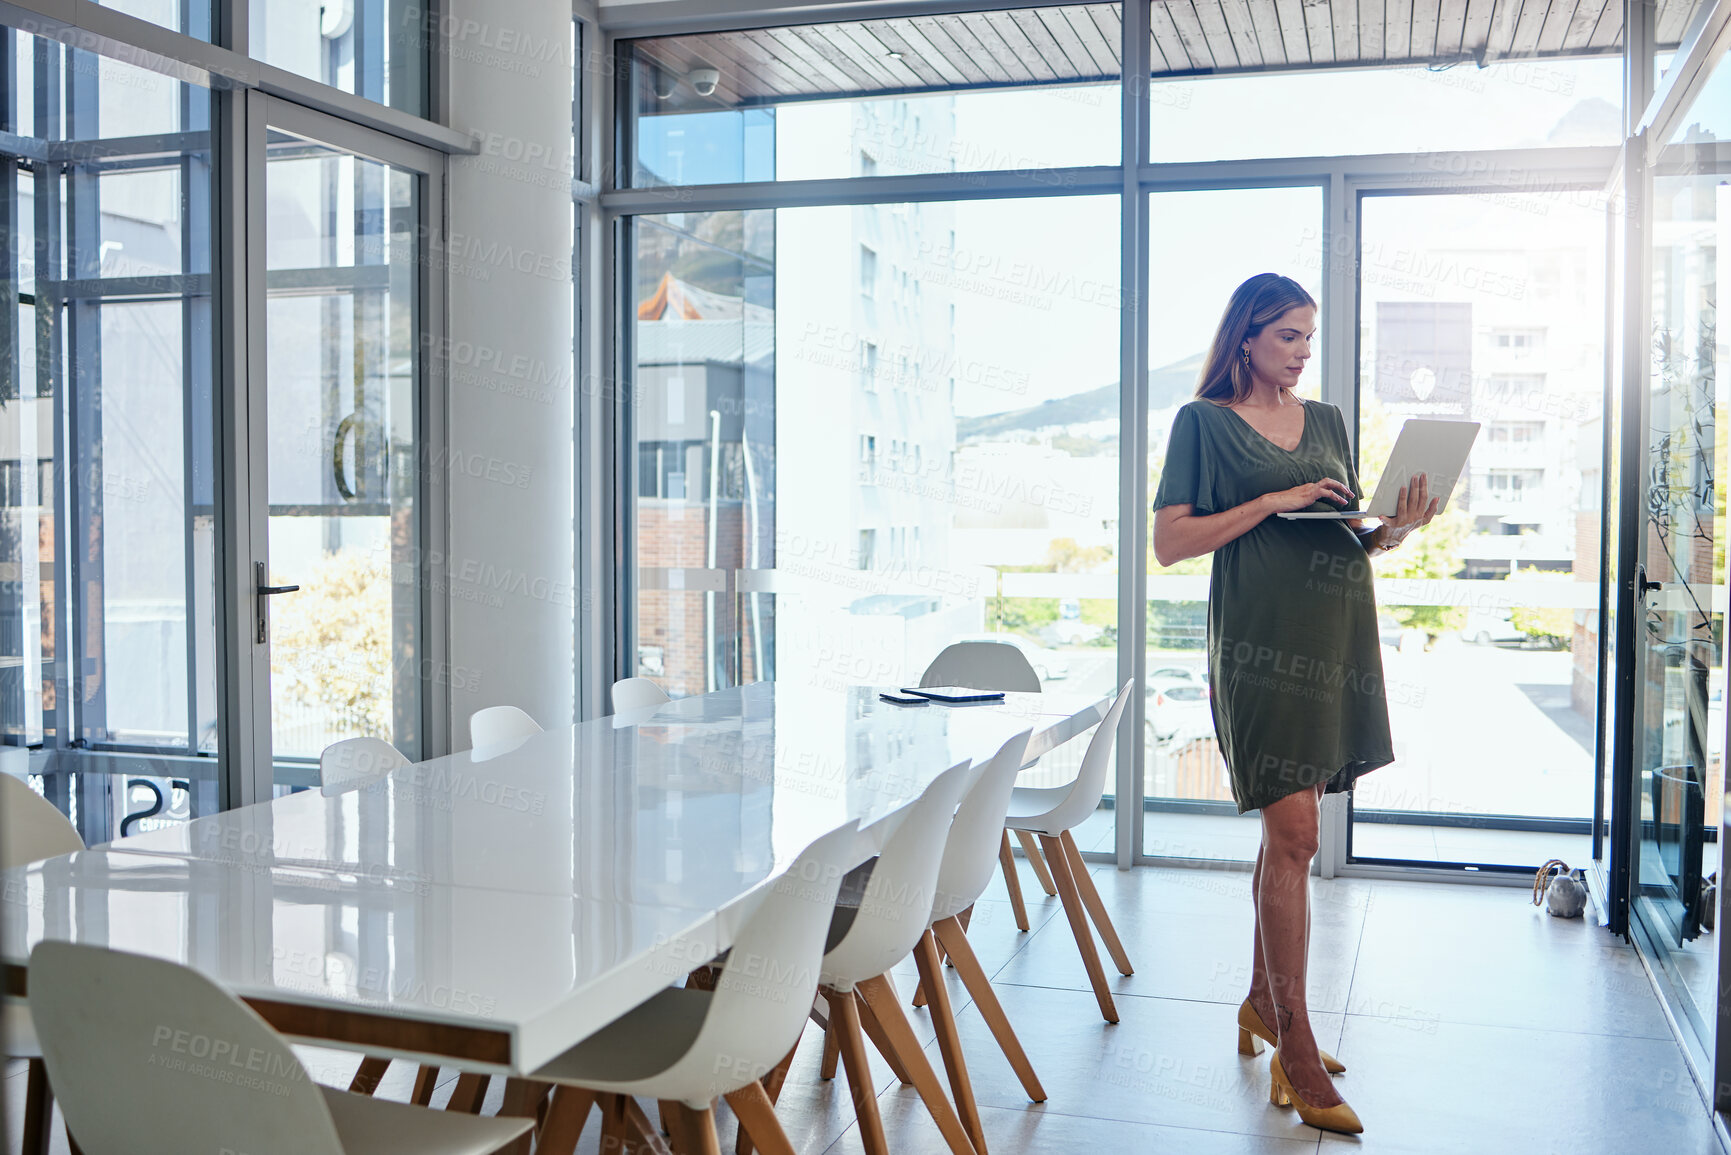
346, 426
262, 591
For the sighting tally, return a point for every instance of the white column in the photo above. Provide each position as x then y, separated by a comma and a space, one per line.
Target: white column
509, 570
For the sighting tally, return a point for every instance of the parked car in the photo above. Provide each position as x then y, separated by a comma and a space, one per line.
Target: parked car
1177, 708
1050, 665
1492, 628
1070, 629
1168, 671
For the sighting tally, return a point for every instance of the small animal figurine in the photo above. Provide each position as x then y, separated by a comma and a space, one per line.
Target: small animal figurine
1562, 891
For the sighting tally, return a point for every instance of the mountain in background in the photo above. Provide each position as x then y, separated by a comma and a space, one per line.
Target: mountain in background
1168, 385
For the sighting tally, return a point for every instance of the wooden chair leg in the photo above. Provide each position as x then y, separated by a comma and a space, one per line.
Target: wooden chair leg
426, 1079
615, 1132
844, 1022
647, 1134
770, 1085
949, 1042
38, 1109
831, 1052
920, 997
1013, 882
673, 1126
882, 997
1096, 908
875, 1032
368, 1074
522, 1101
1039, 863
751, 1104
949, 933
1078, 917
696, 1130
469, 1093
565, 1118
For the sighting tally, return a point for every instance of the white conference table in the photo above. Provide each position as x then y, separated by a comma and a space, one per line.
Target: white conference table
492, 908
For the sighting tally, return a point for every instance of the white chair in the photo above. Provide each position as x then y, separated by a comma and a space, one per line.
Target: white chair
687, 1046
354, 762
996, 666
970, 856
983, 666
1051, 812
31, 829
349, 765
496, 725
871, 933
637, 694
151, 1058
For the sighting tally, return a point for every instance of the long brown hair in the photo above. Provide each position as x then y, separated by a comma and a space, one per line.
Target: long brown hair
1254, 305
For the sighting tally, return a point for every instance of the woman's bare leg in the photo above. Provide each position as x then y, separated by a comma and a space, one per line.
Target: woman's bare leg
1261, 993
1289, 840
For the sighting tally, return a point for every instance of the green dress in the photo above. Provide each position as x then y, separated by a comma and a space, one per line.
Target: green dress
1294, 661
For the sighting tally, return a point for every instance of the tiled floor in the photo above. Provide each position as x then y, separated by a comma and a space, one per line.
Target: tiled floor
1470, 1023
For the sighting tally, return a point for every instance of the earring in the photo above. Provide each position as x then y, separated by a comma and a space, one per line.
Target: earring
1246, 353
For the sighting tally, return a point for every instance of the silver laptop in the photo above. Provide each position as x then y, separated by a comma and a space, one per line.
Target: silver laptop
1437, 449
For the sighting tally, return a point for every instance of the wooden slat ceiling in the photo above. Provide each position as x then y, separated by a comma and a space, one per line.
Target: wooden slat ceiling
1078, 44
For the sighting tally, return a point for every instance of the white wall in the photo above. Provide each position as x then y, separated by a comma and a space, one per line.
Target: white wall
511, 394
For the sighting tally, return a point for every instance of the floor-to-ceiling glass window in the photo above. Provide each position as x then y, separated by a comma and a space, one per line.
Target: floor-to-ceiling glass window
1393, 263
864, 432
1488, 307
1680, 725
1202, 245
108, 659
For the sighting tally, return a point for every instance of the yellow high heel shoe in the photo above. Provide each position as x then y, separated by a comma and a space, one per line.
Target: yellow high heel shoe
1340, 1117
1253, 1032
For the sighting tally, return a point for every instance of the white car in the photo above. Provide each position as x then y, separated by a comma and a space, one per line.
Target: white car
1177, 707
1491, 628
1050, 666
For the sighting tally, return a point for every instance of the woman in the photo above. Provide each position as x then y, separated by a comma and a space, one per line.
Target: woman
1293, 659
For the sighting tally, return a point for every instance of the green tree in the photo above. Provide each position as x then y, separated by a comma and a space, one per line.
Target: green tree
331, 648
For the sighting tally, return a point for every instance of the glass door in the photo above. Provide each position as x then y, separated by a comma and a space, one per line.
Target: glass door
343, 393
1487, 307
1679, 685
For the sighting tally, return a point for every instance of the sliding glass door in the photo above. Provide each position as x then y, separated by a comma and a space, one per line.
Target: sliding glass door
1680, 595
